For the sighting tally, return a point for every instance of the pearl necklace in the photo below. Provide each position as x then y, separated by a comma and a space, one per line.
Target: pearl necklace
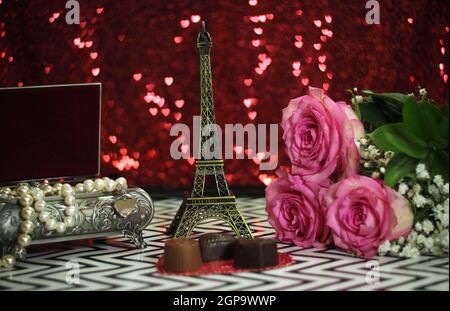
33, 206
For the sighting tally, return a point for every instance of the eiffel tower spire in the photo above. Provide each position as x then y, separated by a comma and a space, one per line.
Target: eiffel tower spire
213, 200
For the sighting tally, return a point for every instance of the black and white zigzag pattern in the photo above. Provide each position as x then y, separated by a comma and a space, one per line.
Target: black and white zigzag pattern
114, 264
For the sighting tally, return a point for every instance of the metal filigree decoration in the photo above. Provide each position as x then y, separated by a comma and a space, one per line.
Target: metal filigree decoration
98, 216
204, 202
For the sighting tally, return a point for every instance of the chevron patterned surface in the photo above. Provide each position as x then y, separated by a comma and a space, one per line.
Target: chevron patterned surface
114, 264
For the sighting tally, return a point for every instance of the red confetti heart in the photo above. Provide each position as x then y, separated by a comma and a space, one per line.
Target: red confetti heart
195, 18
177, 116
322, 58
247, 102
99, 10
95, 71
153, 111
106, 158
168, 81
113, 139
318, 23
317, 46
165, 111
305, 81
137, 76
184, 23
47, 69
248, 82
93, 55
252, 115
179, 103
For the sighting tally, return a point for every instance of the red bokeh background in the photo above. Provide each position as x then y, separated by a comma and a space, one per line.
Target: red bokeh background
265, 53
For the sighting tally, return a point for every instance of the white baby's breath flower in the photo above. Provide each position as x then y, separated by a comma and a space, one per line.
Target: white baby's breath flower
401, 240
395, 249
418, 226
409, 251
443, 218
419, 200
433, 190
429, 244
423, 92
422, 172
412, 237
444, 189
438, 180
427, 226
403, 188
417, 188
444, 239
384, 248
382, 170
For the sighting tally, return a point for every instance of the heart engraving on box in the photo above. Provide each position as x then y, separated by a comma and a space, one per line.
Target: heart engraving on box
125, 207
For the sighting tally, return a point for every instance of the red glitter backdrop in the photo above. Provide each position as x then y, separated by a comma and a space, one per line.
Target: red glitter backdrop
265, 53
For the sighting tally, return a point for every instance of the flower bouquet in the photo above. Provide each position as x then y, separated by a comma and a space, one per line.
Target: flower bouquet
370, 178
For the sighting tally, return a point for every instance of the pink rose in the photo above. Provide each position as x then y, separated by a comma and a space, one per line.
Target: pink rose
363, 213
295, 212
320, 137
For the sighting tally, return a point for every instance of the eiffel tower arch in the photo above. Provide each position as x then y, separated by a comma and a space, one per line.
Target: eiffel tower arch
210, 197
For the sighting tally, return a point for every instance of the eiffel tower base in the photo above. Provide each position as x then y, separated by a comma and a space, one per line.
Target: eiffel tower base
196, 210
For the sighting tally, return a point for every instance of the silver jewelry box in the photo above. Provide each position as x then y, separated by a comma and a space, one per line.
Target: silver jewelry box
100, 214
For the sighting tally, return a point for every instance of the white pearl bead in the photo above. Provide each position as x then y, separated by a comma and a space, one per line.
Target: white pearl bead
51, 224
79, 188
26, 200
69, 200
39, 205
121, 184
24, 240
8, 261
70, 210
47, 189
99, 184
38, 194
110, 185
66, 192
27, 213
22, 190
88, 185
44, 217
27, 226
57, 187
69, 221
61, 227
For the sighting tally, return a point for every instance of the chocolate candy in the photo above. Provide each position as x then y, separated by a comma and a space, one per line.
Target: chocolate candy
255, 253
182, 255
217, 246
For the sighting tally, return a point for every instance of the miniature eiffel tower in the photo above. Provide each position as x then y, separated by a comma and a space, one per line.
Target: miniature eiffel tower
208, 201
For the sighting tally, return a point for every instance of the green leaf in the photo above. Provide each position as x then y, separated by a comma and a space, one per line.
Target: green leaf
398, 167
396, 98
417, 120
444, 130
395, 137
371, 115
439, 163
